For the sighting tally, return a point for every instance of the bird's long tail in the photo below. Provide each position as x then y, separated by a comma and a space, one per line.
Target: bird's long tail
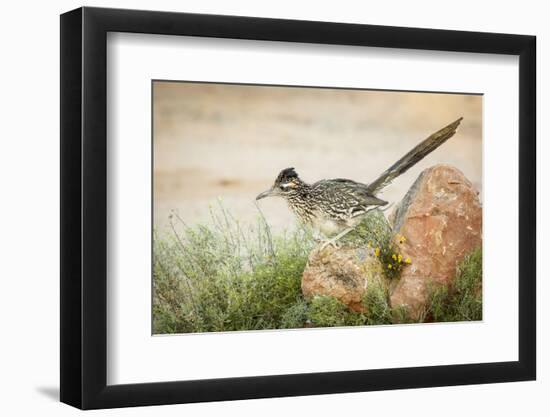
416, 154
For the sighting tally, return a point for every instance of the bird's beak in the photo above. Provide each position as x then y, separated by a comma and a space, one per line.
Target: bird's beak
265, 194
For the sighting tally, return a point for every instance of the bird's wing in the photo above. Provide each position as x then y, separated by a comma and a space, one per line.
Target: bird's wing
355, 190
415, 155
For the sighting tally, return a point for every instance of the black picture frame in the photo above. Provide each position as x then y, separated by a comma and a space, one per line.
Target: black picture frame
84, 207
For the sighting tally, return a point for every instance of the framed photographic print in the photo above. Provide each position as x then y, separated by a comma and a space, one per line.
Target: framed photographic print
258, 207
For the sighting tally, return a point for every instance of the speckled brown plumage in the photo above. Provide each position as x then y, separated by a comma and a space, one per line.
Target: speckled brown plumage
335, 206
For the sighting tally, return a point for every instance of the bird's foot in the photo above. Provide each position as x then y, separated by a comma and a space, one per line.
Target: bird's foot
329, 242
334, 241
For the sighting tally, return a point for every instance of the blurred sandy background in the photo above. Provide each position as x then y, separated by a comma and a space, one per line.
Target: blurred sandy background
230, 141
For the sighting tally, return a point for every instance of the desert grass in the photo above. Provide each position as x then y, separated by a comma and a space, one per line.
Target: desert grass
225, 277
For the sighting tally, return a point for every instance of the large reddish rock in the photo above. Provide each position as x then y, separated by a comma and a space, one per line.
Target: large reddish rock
441, 220
344, 273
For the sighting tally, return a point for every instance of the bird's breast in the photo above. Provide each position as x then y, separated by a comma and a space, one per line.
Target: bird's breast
327, 227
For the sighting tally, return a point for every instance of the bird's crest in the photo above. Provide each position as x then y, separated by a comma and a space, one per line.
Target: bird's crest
286, 175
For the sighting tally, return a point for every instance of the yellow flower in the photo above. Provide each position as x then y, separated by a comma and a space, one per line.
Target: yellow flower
408, 260
399, 258
394, 257
402, 238
389, 266
377, 252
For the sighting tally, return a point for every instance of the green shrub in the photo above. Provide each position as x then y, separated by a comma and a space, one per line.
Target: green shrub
296, 316
376, 232
462, 301
224, 277
376, 302
326, 311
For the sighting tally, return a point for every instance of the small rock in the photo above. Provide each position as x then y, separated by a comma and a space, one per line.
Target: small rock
441, 219
344, 273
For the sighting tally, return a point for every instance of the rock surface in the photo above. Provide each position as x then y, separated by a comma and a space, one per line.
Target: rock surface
343, 273
441, 219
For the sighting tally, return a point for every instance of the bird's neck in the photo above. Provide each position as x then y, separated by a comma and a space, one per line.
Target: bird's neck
299, 202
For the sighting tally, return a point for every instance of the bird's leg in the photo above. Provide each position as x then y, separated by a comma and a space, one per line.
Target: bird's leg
318, 237
332, 241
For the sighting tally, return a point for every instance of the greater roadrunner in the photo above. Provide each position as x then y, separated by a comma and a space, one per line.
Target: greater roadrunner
335, 207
